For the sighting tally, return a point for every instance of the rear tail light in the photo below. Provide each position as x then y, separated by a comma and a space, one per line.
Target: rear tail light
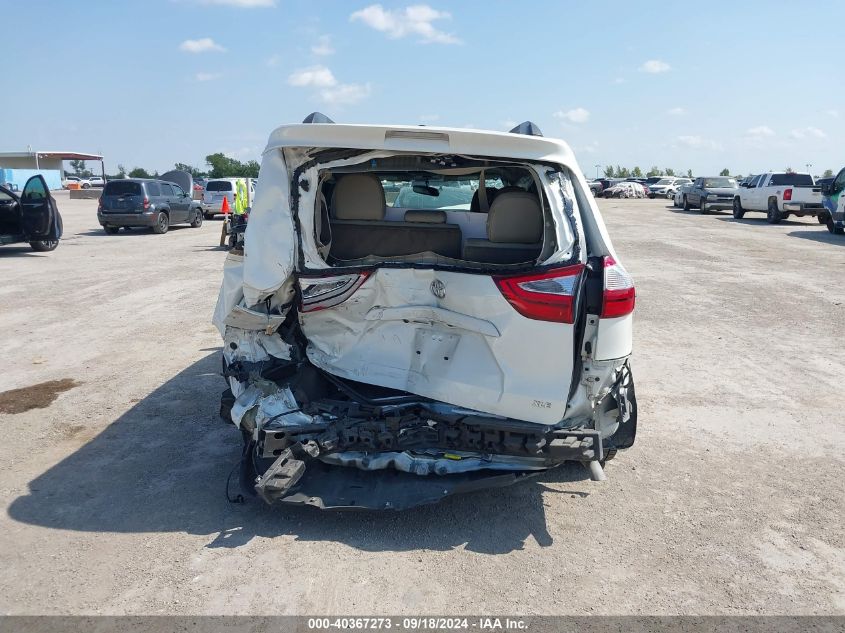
99, 204
319, 293
787, 194
547, 296
146, 203
619, 293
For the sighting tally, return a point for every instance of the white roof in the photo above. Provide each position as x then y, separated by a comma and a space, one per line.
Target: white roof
411, 138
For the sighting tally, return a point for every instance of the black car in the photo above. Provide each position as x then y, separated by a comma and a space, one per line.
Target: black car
31, 217
144, 202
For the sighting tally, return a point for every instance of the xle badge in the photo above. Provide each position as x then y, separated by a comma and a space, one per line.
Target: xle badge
438, 289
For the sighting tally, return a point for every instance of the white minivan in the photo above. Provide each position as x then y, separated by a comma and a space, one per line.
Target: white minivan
217, 189
472, 332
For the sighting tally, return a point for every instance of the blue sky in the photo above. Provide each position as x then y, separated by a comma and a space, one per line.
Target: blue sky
749, 85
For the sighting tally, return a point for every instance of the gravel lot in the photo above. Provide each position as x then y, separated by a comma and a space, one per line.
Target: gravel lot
731, 501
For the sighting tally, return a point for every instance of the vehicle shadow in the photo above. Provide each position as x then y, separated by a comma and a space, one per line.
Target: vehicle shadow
163, 465
138, 230
824, 236
23, 250
761, 221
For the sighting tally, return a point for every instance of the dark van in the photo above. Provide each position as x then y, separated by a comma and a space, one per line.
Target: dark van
148, 203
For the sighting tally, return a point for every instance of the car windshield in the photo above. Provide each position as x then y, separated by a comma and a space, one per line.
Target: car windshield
219, 185
451, 193
796, 180
122, 188
729, 183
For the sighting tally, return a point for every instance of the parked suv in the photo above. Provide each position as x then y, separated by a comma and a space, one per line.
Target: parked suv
711, 193
384, 356
141, 202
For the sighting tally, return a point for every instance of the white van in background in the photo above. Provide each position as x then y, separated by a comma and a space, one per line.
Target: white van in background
217, 189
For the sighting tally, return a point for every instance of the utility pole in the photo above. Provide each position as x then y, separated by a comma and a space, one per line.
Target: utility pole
808, 165
597, 171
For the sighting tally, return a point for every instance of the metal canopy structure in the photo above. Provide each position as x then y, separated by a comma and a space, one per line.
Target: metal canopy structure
40, 154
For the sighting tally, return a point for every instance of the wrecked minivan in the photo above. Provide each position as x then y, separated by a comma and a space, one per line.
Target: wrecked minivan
469, 328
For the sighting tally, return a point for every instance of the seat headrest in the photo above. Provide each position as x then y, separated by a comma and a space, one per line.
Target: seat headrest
358, 197
515, 217
429, 217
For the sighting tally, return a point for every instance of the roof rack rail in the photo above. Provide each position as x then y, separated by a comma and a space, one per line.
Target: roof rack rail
528, 128
317, 117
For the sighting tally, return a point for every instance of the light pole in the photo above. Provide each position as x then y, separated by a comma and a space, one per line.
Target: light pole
597, 171
808, 165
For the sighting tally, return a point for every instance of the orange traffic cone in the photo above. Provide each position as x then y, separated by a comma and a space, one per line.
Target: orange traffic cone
224, 209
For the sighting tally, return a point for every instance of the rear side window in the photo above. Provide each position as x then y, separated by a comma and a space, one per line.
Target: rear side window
219, 185
796, 180
166, 189
153, 189
121, 188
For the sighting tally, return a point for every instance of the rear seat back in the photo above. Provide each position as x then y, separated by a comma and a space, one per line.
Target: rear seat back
514, 230
359, 229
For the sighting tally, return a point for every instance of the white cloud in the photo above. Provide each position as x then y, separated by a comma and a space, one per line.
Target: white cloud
414, 20
576, 115
696, 142
833, 113
429, 118
807, 132
509, 124
323, 46
273, 60
655, 66
241, 4
760, 131
207, 76
316, 76
676, 111
589, 148
330, 91
345, 94
619, 80
202, 45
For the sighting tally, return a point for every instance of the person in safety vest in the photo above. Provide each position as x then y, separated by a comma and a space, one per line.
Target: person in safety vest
240, 198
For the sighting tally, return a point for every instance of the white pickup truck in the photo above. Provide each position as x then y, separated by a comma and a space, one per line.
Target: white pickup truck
779, 195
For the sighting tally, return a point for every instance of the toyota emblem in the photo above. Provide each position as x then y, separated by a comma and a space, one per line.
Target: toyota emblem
438, 289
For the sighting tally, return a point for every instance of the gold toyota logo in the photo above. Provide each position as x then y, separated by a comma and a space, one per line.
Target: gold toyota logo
438, 289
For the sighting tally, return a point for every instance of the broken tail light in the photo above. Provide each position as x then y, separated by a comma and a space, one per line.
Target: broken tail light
546, 296
787, 194
146, 203
319, 293
619, 292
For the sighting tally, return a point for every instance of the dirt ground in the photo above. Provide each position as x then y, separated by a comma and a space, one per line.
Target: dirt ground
730, 502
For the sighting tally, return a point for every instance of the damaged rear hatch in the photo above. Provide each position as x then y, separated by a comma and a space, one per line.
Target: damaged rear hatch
383, 353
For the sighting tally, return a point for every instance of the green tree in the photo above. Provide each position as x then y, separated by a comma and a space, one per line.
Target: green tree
121, 170
654, 171
689, 173
140, 172
622, 172
789, 170
79, 168
224, 167
194, 171
828, 173
636, 172
669, 171
725, 172
609, 171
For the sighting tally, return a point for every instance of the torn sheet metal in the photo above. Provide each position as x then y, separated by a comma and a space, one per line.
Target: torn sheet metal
263, 403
